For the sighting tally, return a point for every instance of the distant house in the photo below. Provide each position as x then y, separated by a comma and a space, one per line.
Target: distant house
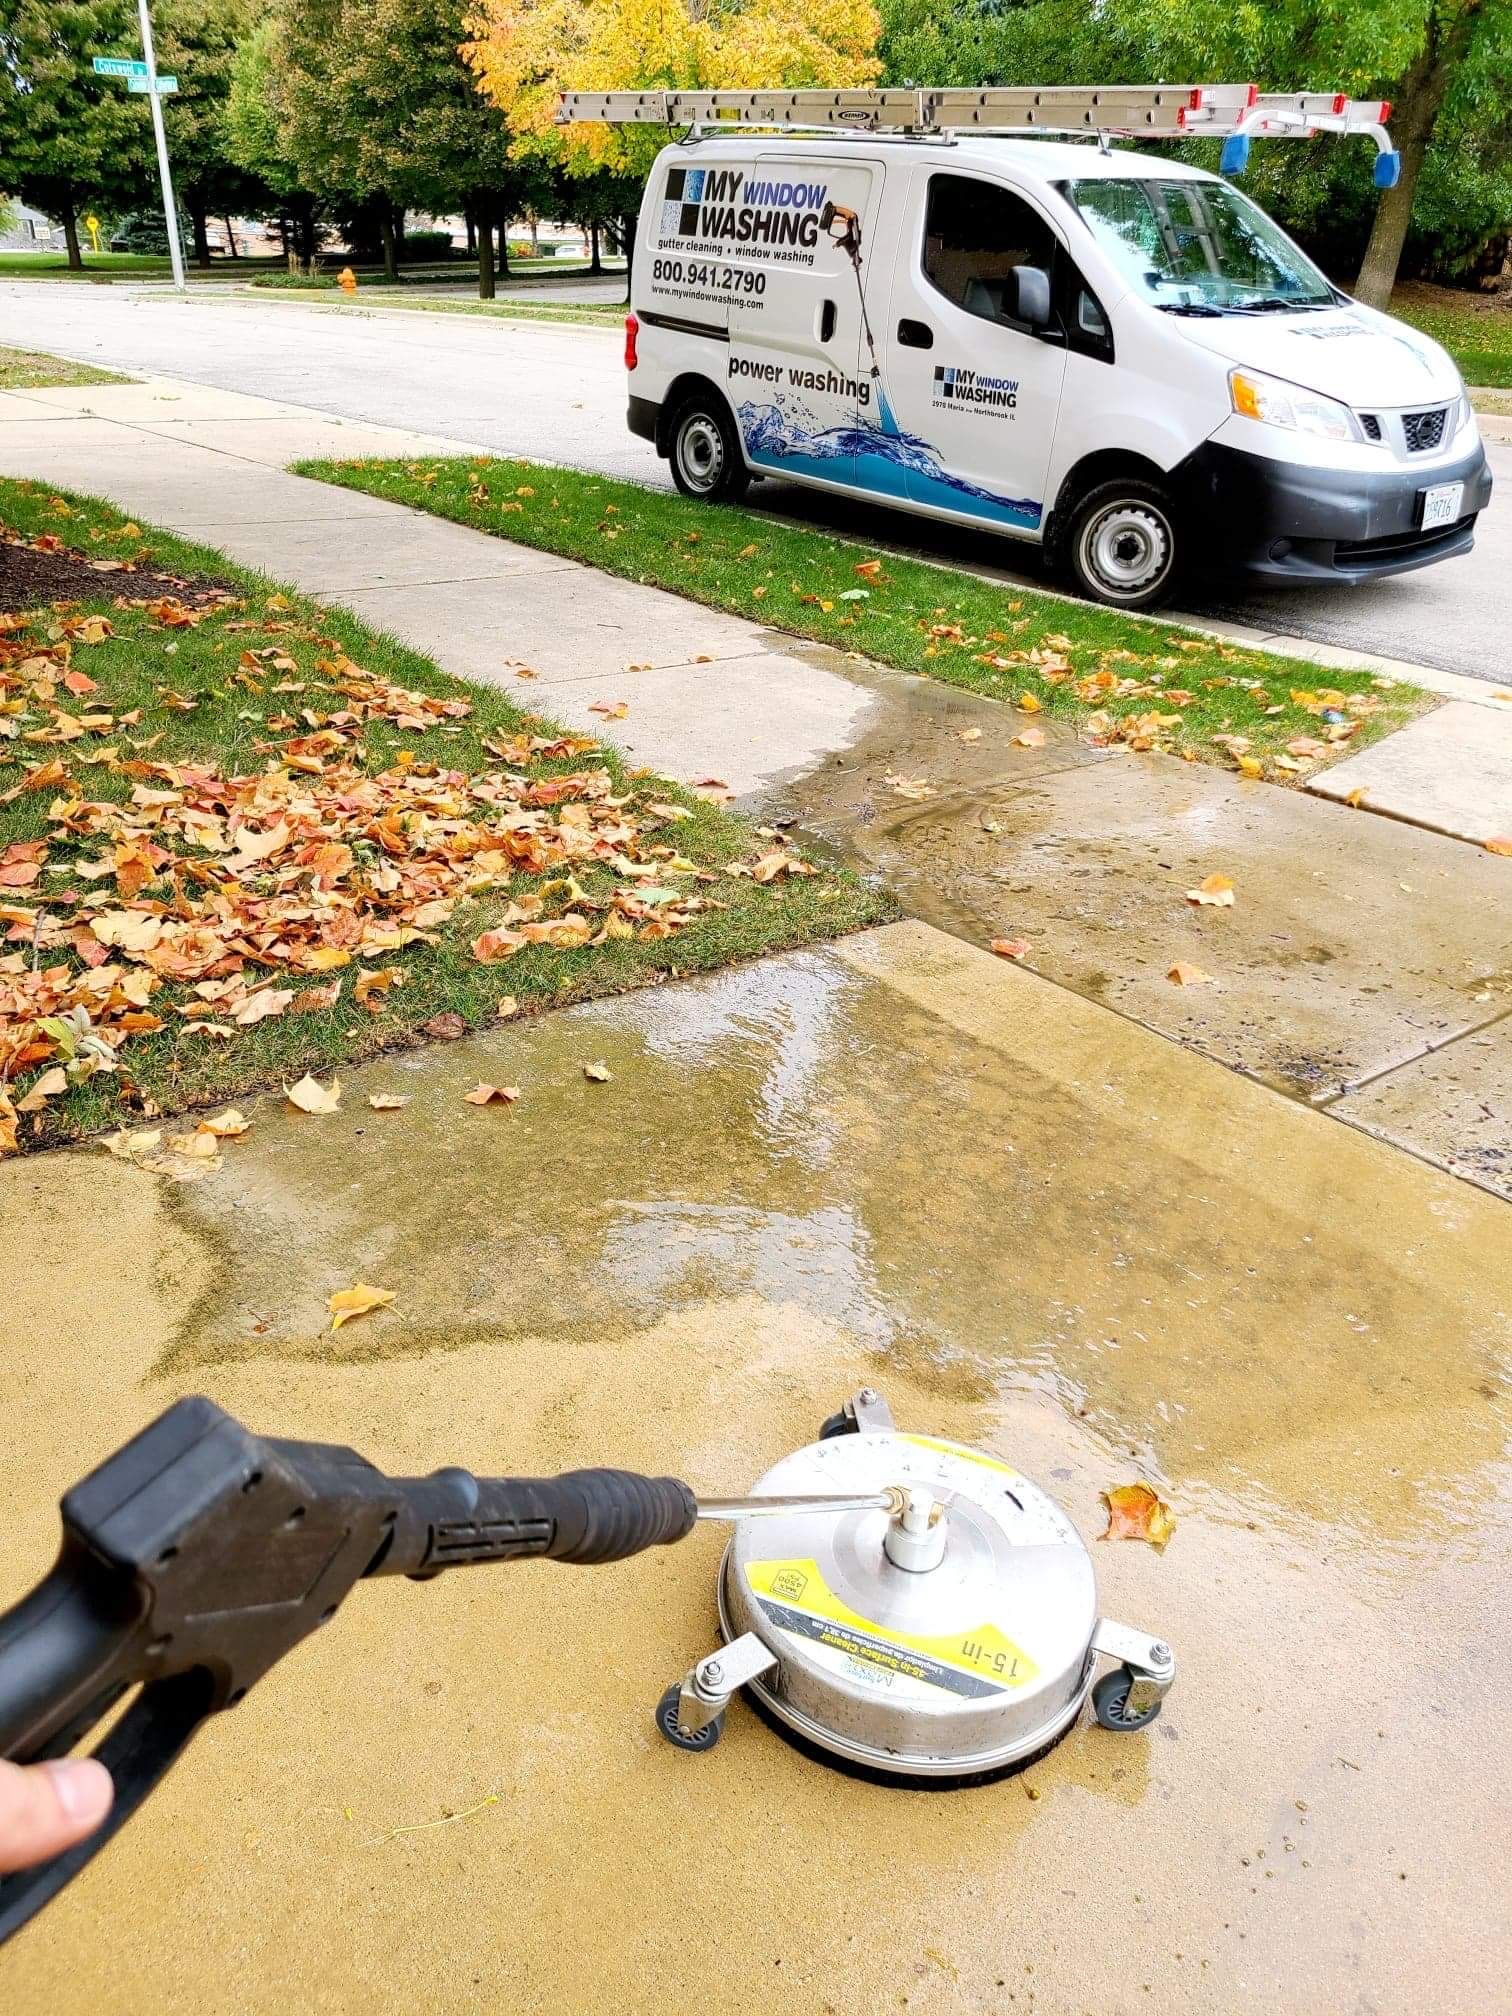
30, 231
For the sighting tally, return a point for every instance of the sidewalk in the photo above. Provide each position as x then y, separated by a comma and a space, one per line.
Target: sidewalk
1039, 1229
211, 465
1366, 965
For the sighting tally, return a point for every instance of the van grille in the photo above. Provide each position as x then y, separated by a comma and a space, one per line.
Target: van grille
1424, 430
1371, 425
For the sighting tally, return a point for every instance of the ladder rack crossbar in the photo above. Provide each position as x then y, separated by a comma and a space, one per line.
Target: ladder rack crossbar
1150, 111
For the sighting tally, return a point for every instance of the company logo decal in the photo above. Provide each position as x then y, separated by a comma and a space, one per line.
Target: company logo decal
956, 386
727, 207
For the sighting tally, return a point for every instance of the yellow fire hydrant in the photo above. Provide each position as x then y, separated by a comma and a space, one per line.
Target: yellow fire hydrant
346, 279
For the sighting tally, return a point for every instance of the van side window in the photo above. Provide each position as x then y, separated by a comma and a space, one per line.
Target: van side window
975, 233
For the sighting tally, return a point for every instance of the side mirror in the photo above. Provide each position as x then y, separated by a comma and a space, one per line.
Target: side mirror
1029, 296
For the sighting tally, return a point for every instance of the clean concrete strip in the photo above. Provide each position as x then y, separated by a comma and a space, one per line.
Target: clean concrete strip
1450, 771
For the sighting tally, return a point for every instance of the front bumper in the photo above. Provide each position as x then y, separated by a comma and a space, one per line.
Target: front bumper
1286, 521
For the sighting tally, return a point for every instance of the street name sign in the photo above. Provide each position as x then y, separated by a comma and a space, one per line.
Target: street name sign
119, 66
165, 85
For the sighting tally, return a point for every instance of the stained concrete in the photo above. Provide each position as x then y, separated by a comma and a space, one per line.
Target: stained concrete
1450, 771
1353, 945
1455, 1106
1040, 1229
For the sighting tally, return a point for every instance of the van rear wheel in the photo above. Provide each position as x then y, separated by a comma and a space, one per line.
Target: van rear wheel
706, 460
1122, 544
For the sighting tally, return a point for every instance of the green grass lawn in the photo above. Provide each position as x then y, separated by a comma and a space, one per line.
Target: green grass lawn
124, 266
1476, 329
271, 709
1117, 678
585, 315
28, 370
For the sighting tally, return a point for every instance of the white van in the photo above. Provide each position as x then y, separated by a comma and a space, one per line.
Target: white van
1116, 357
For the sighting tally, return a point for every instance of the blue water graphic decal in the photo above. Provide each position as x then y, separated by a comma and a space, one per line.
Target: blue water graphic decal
886, 461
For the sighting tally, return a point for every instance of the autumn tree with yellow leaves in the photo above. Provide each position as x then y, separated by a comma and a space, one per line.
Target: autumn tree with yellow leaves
526, 51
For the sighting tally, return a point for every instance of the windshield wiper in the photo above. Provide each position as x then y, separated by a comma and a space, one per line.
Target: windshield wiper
1188, 308
1270, 304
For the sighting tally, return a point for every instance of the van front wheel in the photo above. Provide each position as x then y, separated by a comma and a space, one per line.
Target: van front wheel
1122, 545
706, 458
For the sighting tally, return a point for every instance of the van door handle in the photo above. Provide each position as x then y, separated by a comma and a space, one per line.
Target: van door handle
827, 317
915, 335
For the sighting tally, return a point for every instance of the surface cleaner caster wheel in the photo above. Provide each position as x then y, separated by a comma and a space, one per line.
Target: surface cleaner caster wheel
1110, 1702
685, 1739
835, 1424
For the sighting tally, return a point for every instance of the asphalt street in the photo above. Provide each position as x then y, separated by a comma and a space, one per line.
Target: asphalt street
557, 393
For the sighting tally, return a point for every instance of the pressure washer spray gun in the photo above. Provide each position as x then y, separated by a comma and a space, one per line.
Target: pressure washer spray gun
199, 1554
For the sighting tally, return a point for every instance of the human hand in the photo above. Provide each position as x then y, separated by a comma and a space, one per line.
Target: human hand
45, 1808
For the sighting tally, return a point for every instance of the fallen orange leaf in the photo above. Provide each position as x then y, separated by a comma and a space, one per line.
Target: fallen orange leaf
1189, 976
1030, 738
1135, 1512
357, 1301
1010, 948
599, 1073
1214, 889
312, 1097
225, 1126
485, 1095
387, 1102
1499, 844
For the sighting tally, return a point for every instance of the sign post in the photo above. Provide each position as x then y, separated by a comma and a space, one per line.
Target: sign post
154, 100
144, 77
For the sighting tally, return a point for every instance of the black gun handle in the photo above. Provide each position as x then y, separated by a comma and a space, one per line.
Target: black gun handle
583, 1516
62, 1649
136, 1753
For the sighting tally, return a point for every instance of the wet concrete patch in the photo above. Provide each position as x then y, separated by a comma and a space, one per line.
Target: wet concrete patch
1044, 1231
1354, 944
1454, 1107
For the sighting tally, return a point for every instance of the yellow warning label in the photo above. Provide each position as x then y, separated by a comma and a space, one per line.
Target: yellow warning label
796, 1597
965, 1455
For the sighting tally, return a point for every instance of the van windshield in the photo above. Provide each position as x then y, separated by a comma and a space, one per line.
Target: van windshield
1198, 248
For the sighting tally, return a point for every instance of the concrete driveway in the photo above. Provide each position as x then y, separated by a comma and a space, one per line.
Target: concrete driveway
1041, 1230
558, 393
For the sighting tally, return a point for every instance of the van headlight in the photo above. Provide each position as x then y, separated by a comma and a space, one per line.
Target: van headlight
1278, 404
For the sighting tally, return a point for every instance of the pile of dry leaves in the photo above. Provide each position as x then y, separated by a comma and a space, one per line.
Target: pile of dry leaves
209, 902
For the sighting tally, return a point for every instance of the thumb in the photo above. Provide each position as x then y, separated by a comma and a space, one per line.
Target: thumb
45, 1808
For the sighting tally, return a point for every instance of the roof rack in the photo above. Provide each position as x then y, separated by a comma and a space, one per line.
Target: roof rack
1234, 113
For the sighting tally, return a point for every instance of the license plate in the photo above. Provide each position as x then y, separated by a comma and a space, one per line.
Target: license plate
1441, 505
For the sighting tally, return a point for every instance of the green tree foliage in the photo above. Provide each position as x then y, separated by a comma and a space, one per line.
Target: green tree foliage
1443, 63
71, 141
371, 106
257, 142
196, 42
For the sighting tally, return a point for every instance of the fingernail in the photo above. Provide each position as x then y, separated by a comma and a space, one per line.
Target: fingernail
83, 1787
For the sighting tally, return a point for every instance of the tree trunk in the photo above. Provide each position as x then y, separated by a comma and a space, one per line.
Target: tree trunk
398, 231
282, 226
535, 235
70, 225
485, 251
390, 244
1416, 103
505, 272
231, 238
307, 234
627, 234
199, 219
472, 233
596, 265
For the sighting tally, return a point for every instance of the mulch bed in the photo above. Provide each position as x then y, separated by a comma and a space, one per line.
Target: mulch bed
30, 578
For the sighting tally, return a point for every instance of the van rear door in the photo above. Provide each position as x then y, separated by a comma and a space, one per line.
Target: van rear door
789, 242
